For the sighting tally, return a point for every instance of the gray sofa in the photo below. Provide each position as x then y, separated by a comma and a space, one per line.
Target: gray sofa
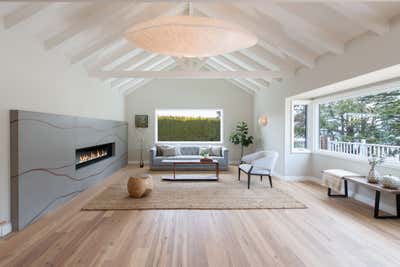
187, 152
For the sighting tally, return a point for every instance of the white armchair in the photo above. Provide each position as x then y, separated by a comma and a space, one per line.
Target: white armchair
260, 163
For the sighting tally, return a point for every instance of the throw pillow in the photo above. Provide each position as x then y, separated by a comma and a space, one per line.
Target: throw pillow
160, 148
168, 151
216, 151
205, 150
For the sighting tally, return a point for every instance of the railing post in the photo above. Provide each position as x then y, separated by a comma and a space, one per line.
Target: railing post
363, 148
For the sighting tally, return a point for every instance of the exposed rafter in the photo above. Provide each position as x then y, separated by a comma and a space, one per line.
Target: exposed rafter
23, 13
144, 66
165, 66
300, 25
115, 55
99, 14
138, 14
273, 35
269, 60
363, 15
224, 65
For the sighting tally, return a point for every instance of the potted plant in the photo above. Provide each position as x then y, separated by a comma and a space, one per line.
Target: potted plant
240, 136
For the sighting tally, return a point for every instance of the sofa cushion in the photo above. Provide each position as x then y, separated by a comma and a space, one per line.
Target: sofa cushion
168, 151
189, 150
205, 150
216, 151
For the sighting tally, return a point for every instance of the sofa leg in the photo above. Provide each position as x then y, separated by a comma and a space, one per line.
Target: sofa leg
248, 181
239, 174
261, 178
270, 180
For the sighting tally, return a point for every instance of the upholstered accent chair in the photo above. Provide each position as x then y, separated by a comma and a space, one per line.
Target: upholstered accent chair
261, 164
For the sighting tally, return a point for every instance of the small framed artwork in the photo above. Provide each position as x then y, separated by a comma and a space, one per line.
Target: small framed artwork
141, 121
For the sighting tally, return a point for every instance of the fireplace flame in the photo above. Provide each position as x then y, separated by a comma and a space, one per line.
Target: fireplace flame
92, 155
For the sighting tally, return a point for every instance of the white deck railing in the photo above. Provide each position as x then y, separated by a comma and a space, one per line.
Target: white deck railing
364, 150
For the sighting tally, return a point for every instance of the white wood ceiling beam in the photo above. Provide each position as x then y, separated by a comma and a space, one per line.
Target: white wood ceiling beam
23, 13
258, 74
166, 65
247, 85
271, 34
363, 15
142, 82
295, 23
226, 66
132, 62
118, 53
269, 60
96, 15
248, 88
140, 13
246, 64
145, 66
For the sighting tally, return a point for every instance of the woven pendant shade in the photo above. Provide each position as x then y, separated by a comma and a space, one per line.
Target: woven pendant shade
190, 36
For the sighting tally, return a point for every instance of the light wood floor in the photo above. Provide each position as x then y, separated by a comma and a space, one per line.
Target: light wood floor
331, 232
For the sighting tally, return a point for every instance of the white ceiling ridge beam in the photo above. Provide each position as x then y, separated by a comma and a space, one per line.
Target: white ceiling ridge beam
140, 14
274, 35
258, 74
220, 67
144, 67
23, 13
289, 20
363, 15
115, 55
166, 66
226, 65
100, 14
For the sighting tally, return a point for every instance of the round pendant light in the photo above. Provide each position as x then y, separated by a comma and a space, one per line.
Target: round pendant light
190, 36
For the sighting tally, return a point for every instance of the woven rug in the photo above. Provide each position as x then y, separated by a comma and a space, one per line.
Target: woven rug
226, 194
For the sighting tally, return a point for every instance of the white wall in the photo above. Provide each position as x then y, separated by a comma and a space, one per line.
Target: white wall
366, 54
237, 106
38, 80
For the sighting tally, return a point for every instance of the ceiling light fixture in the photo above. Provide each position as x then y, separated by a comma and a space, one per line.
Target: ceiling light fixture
190, 36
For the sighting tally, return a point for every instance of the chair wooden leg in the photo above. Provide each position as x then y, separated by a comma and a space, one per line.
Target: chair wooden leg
248, 181
270, 180
261, 178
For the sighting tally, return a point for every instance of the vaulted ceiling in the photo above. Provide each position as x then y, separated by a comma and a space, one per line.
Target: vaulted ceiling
292, 35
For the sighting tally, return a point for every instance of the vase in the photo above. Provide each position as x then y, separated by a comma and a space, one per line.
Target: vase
373, 176
390, 181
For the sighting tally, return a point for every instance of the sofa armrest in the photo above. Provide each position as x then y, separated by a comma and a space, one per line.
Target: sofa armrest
225, 154
152, 154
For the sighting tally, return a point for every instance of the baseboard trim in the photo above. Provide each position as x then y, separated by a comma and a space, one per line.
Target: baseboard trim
5, 229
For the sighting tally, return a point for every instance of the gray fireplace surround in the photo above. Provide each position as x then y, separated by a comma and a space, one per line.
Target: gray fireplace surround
44, 171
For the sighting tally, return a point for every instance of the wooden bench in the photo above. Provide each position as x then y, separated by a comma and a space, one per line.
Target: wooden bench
378, 189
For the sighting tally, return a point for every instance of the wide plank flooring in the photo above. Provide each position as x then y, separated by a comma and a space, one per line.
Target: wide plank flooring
330, 232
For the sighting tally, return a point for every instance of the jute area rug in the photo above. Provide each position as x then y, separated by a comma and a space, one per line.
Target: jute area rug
226, 194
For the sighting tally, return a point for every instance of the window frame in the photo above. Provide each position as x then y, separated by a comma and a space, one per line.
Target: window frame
309, 129
314, 148
220, 142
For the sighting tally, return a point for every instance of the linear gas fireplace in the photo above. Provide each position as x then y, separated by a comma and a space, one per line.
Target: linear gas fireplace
90, 155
